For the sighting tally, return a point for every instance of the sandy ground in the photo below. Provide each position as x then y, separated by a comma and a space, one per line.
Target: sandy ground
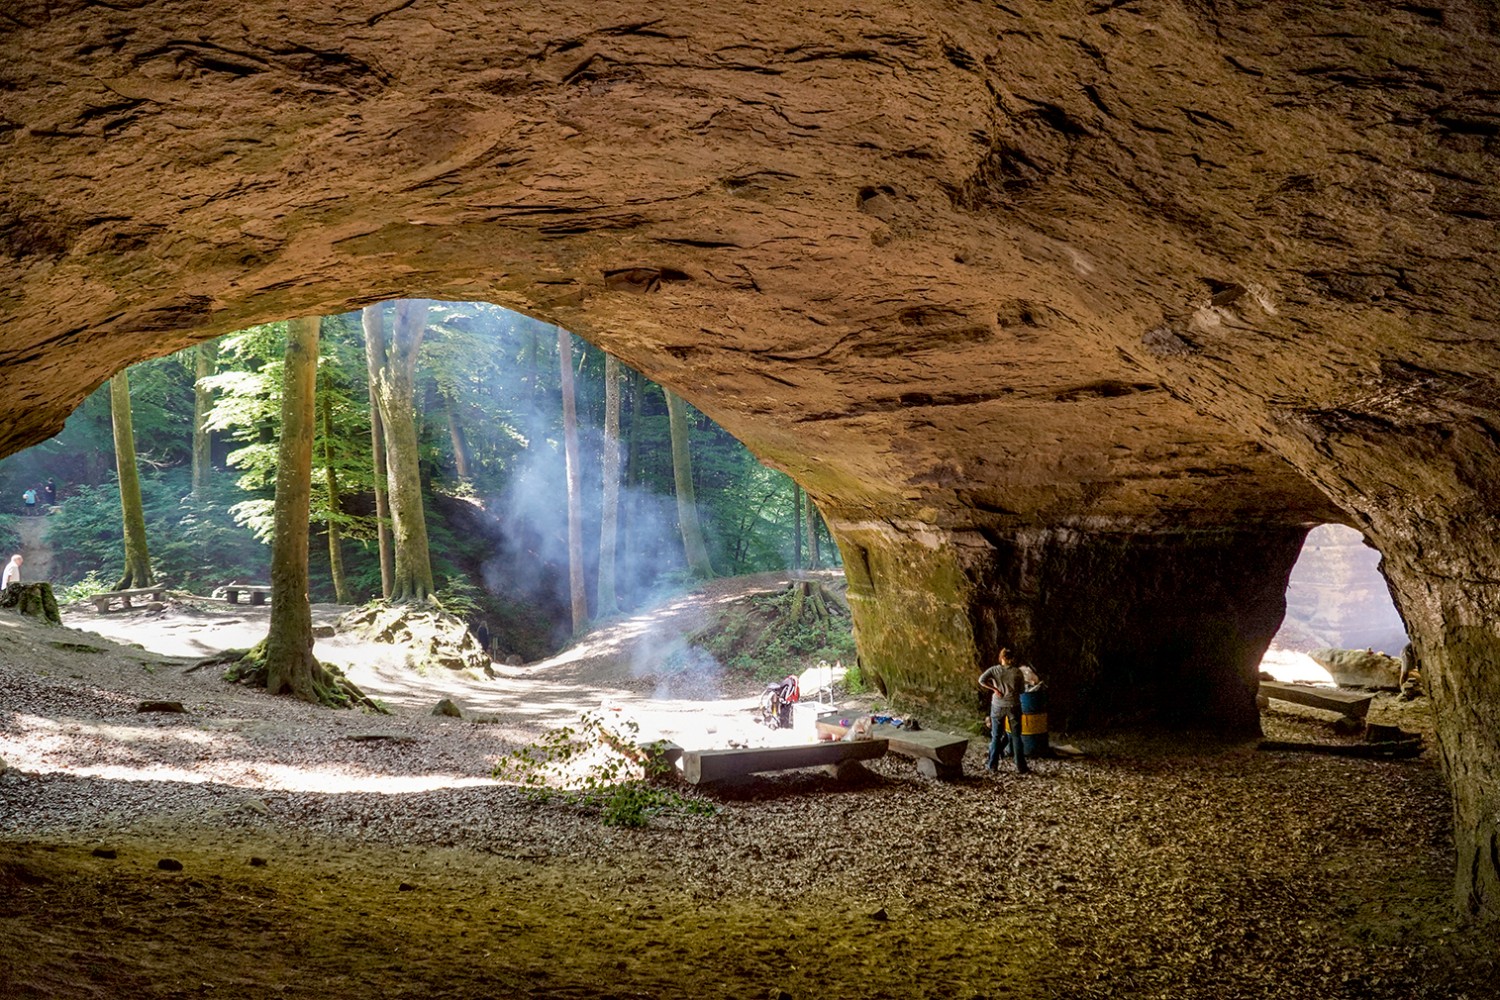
255, 846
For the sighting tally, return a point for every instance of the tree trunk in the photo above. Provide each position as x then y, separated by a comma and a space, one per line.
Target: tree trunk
133, 515
411, 578
630, 526
460, 442
290, 666
331, 481
34, 599
205, 359
796, 526
610, 517
576, 586
814, 556
687, 501
374, 326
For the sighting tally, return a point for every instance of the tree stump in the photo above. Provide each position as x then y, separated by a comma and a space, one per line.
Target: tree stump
34, 599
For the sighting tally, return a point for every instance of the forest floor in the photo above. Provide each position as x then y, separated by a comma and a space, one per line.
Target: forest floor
256, 846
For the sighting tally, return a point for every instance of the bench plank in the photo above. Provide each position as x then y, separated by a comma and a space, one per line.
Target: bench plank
947, 749
703, 766
103, 601
1355, 706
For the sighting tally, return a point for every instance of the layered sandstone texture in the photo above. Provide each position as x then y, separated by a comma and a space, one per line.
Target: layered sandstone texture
1083, 282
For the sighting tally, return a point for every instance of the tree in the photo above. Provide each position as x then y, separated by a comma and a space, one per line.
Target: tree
394, 360
373, 324
331, 481
205, 355
137, 557
576, 586
284, 660
682, 475
813, 560
610, 514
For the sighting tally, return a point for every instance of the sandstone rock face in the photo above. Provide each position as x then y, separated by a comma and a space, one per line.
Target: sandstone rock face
1337, 597
1032, 280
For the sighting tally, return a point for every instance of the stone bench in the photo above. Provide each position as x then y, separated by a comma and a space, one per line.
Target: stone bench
255, 593
1353, 706
105, 601
704, 766
938, 754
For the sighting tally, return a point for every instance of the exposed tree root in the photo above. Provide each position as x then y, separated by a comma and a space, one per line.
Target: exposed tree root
311, 681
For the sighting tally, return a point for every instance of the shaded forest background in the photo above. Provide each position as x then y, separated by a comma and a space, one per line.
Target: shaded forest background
488, 412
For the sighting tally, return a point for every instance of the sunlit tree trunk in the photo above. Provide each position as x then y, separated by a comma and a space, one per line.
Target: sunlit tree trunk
395, 378
814, 560
204, 357
133, 515
290, 666
374, 326
576, 586
796, 526
331, 481
460, 442
610, 516
687, 500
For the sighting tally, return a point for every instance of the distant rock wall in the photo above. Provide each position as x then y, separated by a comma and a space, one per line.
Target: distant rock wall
1337, 597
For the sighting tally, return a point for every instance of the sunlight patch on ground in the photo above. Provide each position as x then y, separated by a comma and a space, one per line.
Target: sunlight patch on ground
1288, 666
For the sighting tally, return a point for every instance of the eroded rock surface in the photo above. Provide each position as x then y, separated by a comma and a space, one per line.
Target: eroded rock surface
970, 272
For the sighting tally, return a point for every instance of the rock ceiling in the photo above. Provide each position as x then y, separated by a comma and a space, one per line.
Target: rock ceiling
945, 260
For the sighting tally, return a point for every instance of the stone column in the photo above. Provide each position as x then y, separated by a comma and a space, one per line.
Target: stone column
1128, 627
1446, 581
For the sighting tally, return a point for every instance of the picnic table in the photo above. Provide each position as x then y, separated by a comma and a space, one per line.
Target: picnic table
105, 601
938, 754
705, 766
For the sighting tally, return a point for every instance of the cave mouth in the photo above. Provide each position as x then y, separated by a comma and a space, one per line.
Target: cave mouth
1336, 598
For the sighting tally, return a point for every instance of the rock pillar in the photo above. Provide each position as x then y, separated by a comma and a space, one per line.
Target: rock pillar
1447, 584
1129, 627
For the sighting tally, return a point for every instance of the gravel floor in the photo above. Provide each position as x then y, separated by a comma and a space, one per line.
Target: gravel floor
1151, 867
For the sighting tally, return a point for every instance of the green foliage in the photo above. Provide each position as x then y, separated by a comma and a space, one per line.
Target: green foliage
764, 637
600, 769
10, 538
195, 543
91, 584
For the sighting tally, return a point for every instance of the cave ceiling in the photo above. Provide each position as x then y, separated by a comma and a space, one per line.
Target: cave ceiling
959, 262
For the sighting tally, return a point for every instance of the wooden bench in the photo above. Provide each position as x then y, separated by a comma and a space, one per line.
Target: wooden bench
1346, 703
704, 766
255, 593
104, 601
938, 754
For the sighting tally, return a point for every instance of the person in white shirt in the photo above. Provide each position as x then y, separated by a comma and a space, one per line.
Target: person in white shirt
12, 571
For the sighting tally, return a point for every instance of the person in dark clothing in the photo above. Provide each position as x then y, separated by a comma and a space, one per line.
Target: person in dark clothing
50, 492
1004, 682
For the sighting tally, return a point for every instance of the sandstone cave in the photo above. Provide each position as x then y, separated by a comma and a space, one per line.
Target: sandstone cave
1073, 317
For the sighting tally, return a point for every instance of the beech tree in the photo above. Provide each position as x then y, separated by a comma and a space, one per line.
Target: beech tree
205, 356
132, 512
576, 587
609, 518
687, 500
393, 361
283, 662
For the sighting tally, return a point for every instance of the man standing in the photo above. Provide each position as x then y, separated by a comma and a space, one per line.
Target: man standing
12, 572
50, 492
1004, 681
29, 497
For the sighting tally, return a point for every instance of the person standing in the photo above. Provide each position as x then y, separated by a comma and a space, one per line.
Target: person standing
50, 492
1004, 681
12, 572
29, 497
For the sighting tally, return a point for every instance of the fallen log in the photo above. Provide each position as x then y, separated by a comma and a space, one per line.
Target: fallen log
1388, 750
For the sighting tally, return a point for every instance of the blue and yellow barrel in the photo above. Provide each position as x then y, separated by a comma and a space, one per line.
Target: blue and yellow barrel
1033, 722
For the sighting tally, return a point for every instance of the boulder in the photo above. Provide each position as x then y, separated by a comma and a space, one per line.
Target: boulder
1360, 668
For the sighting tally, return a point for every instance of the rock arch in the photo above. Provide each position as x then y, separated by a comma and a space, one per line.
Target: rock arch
1039, 300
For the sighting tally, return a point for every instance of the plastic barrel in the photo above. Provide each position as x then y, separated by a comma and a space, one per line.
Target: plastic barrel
1033, 723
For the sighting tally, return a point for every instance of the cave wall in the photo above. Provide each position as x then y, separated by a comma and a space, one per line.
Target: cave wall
1129, 628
